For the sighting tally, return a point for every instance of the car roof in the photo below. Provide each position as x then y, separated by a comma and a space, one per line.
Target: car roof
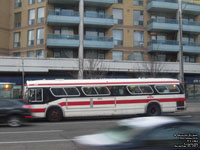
148, 122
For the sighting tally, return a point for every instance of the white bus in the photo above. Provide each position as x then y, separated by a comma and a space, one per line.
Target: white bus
55, 99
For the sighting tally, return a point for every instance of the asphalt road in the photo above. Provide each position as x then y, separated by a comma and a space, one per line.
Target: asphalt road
41, 135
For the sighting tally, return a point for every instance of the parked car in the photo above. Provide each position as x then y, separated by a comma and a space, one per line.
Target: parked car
14, 112
145, 133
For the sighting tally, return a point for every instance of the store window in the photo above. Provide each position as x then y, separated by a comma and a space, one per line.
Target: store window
117, 55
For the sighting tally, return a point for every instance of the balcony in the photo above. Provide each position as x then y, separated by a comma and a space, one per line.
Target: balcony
63, 17
96, 19
172, 25
102, 3
98, 42
55, 40
172, 46
172, 6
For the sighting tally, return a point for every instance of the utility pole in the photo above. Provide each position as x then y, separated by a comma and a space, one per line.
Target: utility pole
181, 67
81, 39
23, 75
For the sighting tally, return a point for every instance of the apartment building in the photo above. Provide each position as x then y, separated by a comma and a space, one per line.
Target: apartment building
43, 38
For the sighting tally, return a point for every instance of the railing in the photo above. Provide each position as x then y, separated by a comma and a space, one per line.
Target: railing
63, 12
96, 38
63, 36
174, 21
173, 1
98, 15
173, 42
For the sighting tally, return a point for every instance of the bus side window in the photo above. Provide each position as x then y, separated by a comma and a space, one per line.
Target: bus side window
89, 91
118, 91
134, 89
146, 89
102, 90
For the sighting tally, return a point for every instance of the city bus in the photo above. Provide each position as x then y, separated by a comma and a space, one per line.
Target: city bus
6, 90
56, 99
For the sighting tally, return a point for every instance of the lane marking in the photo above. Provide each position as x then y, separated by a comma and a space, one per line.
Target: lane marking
25, 132
188, 116
41, 141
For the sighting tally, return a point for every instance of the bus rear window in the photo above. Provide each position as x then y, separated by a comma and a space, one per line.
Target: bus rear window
167, 88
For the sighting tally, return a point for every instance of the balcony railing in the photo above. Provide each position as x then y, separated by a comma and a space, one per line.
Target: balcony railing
63, 36
63, 12
173, 1
98, 15
173, 42
96, 38
174, 21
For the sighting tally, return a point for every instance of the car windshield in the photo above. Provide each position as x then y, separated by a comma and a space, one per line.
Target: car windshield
122, 133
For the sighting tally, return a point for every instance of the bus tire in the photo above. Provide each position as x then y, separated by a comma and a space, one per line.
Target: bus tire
54, 114
153, 109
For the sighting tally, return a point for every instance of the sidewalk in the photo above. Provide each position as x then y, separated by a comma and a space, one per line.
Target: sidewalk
192, 107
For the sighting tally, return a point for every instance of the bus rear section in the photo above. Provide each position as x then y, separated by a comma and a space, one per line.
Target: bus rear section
55, 99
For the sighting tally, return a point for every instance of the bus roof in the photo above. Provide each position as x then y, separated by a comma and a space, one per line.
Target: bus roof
92, 82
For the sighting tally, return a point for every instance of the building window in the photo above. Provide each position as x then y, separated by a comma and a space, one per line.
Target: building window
94, 54
17, 20
119, 1
138, 38
40, 36
117, 55
40, 15
189, 58
16, 42
31, 17
31, 37
30, 54
16, 54
138, 17
40, 1
31, 2
18, 3
40, 53
63, 53
117, 15
137, 56
118, 37
138, 2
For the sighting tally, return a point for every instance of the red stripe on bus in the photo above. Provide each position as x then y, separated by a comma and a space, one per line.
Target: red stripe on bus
62, 104
55, 84
38, 110
124, 101
78, 103
103, 102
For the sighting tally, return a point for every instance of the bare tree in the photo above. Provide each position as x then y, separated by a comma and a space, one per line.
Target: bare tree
151, 68
92, 69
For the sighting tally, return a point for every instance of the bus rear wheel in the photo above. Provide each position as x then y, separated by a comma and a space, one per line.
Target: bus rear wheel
153, 110
54, 114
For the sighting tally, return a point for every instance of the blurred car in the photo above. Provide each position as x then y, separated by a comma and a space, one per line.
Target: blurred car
145, 133
14, 112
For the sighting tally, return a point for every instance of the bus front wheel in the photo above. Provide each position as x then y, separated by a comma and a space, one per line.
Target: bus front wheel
54, 114
153, 110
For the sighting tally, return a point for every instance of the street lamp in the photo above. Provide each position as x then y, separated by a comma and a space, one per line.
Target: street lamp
181, 67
